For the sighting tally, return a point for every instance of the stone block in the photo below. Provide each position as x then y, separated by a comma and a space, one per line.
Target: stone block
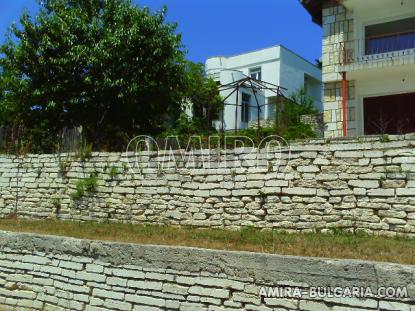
209, 292
367, 184
299, 191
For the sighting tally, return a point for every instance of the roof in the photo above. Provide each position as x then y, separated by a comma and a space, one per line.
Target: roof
270, 47
315, 8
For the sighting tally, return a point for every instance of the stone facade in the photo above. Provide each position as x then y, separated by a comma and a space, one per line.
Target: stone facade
363, 184
338, 36
56, 273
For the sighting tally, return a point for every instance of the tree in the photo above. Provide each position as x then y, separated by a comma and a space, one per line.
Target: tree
201, 99
288, 116
300, 104
203, 95
111, 67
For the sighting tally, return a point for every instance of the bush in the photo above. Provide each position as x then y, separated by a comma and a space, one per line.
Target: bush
85, 185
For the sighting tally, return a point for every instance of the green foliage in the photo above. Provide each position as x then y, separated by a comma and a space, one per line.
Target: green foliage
63, 167
384, 138
113, 172
56, 202
262, 194
85, 185
125, 168
288, 125
109, 66
202, 99
298, 131
288, 117
85, 152
203, 95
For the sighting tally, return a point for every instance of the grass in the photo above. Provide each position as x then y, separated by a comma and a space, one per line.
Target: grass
336, 245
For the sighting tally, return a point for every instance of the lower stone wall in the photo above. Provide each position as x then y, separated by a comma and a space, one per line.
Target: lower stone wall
57, 273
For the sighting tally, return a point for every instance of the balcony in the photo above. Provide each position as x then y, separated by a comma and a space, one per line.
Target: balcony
378, 51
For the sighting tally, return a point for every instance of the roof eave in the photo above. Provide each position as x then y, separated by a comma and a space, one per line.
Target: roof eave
315, 8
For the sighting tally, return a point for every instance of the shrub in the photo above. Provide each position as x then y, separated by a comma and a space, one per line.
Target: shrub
113, 172
85, 185
85, 152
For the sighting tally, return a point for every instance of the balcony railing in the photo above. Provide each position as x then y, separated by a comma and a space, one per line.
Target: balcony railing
377, 47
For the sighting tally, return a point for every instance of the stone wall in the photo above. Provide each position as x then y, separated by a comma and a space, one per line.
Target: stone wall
316, 122
363, 184
54, 273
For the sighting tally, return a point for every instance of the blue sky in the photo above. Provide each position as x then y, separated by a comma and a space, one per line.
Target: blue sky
221, 27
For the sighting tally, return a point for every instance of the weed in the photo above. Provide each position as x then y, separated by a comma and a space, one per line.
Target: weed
56, 202
125, 168
384, 138
270, 167
63, 167
85, 185
261, 194
85, 152
113, 172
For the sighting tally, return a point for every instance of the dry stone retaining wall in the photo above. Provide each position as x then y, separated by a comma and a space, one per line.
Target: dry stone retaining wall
56, 273
366, 184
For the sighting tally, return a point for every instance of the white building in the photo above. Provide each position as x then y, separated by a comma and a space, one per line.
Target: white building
368, 65
277, 65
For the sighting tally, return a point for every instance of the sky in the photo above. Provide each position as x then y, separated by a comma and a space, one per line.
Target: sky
220, 27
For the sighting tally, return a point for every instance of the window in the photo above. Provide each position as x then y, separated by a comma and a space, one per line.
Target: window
392, 36
255, 73
246, 98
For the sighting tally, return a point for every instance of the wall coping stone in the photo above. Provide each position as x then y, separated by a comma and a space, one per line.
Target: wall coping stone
264, 268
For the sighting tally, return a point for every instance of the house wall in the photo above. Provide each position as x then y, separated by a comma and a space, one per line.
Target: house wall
386, 75
58, 273
293, 72
279, 66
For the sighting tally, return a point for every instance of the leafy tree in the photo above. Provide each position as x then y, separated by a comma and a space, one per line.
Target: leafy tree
106, 65
201, 105
203, 96
299, 103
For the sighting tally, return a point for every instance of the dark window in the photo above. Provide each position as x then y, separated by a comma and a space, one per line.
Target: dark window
255, 73
393, 114
245, 107
392, 36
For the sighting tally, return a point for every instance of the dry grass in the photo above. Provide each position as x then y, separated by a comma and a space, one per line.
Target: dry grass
338, 245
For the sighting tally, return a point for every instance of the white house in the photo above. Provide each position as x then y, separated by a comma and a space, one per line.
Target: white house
276, 65
368, 65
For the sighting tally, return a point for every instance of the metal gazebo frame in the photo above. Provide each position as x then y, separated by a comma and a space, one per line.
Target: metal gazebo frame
255, 85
